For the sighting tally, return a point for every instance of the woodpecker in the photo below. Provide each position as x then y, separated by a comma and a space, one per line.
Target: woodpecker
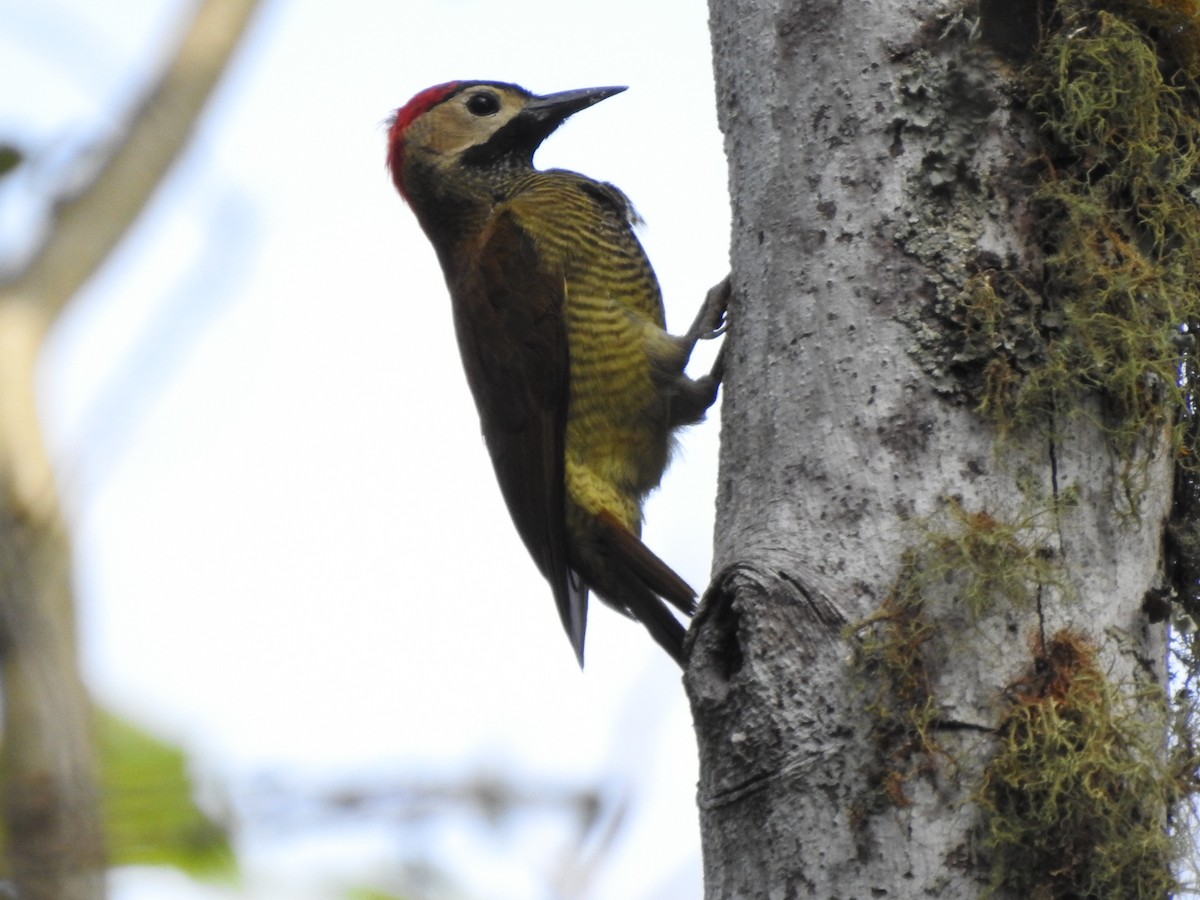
560, 325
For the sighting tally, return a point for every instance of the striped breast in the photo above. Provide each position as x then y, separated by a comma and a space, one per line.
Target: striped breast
617, 438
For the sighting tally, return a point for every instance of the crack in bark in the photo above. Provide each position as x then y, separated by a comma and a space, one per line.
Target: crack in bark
961, 725
1052, 453
760, 782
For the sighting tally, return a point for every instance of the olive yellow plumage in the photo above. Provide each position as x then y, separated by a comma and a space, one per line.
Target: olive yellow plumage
560, 325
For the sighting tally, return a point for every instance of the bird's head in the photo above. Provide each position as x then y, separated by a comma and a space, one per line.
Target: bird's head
485, 126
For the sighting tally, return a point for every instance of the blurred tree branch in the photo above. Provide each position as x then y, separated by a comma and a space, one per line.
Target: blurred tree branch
50, 807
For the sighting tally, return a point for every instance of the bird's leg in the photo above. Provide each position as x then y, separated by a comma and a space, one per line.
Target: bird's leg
693, 397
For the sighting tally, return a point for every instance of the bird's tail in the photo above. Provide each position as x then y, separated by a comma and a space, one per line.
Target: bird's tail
636, 581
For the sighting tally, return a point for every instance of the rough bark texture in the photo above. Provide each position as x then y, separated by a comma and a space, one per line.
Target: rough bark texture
50, 806
873, 161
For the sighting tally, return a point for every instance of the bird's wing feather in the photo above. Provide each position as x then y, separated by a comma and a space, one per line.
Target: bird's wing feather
514, 349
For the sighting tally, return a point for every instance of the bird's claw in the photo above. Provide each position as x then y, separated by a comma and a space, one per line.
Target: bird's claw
712, 319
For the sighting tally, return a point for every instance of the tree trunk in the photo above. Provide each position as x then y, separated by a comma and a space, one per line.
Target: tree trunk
909, 594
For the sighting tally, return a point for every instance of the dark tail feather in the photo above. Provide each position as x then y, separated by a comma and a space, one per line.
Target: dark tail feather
662, 625
571, 597
648, 568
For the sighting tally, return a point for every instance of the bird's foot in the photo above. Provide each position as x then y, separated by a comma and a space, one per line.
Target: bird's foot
711, 320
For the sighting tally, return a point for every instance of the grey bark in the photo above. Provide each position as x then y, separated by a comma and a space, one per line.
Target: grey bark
868, 146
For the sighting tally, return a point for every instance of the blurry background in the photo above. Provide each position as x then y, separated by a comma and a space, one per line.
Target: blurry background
291, 557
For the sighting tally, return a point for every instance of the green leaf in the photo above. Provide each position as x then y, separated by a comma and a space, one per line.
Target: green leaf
150, 813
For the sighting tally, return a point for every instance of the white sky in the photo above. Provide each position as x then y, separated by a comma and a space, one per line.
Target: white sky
291, 553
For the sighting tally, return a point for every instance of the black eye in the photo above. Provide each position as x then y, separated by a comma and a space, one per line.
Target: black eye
485, 103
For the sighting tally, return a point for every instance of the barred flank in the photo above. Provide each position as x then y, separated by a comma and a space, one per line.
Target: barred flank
617, 418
